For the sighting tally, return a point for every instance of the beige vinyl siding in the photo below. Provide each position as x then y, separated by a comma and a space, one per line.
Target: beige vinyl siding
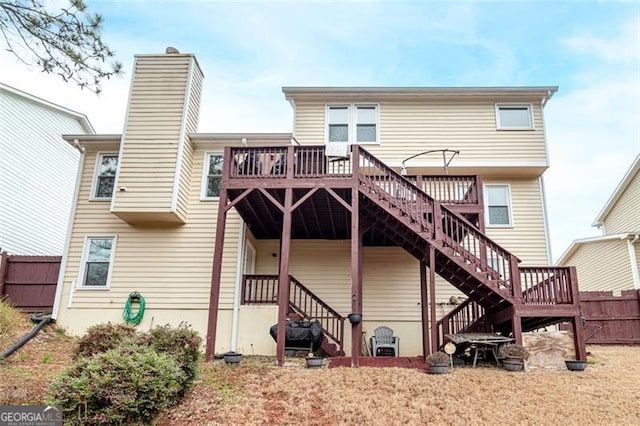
526, 237
390, 275
152, 135
602, 265
625, 214
170, 265
407, 128
191, 126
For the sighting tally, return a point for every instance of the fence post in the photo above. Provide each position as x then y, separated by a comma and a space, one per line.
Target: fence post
4, 260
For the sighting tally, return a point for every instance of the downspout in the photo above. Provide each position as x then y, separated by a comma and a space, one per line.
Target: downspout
238, 290
634, 265
72, 215
545, 221
545, 212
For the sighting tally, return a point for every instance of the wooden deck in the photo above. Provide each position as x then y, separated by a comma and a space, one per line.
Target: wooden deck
297, 192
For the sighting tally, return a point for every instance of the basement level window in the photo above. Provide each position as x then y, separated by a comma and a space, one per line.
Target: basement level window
97, 262
105, 176
514, 117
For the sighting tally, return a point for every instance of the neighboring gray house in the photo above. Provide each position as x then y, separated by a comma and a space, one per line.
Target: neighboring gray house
38, 172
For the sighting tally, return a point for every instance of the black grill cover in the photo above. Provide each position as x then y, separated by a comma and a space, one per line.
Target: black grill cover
300, 334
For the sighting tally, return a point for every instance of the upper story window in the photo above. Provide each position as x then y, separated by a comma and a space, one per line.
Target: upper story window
212, 175
514, 117
105, 176
353, 123
97, 262
498, 205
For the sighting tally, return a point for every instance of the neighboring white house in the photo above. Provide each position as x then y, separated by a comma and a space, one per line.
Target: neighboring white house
38, 172
612, 261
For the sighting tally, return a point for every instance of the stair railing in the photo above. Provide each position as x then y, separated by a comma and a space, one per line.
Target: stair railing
395, 191
263, 289
310, 306
459, 320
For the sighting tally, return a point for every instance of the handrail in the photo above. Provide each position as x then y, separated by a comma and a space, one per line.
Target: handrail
459, 319
446, 225
263, 289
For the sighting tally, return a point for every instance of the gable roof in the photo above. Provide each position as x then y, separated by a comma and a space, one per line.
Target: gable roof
84, 121
622, 186
577, 243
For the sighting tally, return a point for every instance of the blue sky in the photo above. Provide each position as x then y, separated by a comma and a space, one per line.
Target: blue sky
249, 50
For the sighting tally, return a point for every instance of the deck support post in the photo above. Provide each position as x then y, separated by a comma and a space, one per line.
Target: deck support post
578, 332
432, 299
356, 277
216, 273
424, 305
283, 278
516, 327
578, 338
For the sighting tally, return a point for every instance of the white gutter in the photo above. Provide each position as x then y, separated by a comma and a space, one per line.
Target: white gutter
72, 215
238, 290
634, 265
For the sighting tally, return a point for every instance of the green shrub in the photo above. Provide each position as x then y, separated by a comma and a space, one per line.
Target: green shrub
129, 384
102, 337
181, 342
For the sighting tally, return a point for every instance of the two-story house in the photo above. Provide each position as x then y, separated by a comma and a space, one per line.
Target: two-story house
350, 213
612, 260
37, 172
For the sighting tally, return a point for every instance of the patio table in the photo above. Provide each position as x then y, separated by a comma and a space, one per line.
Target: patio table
480, 342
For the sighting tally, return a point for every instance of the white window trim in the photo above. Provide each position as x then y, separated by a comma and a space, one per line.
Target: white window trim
529, 107
486, 206
96, 171
351, 122
85, 254
205, 174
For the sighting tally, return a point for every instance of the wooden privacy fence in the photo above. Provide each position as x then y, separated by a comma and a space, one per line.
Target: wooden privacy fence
611, 319
29, 282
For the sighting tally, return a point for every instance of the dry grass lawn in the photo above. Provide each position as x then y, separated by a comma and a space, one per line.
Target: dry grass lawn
256, 392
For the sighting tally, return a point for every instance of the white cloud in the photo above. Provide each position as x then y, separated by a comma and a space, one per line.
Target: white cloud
593, 133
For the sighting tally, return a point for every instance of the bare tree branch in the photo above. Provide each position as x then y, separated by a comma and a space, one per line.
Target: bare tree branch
67, 42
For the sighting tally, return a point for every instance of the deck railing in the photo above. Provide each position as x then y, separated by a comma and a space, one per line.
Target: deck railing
546, 285
466, 241
449, 189
263, 289
459, 320
312, 162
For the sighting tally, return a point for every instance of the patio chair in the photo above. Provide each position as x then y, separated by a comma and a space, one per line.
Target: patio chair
384, 343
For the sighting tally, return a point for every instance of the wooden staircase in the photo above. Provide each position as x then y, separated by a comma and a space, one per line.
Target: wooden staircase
499, 291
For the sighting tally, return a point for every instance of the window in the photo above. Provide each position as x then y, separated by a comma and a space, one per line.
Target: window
497, 205
213, 175
514, 117
98, 256
352, 123
105, 175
